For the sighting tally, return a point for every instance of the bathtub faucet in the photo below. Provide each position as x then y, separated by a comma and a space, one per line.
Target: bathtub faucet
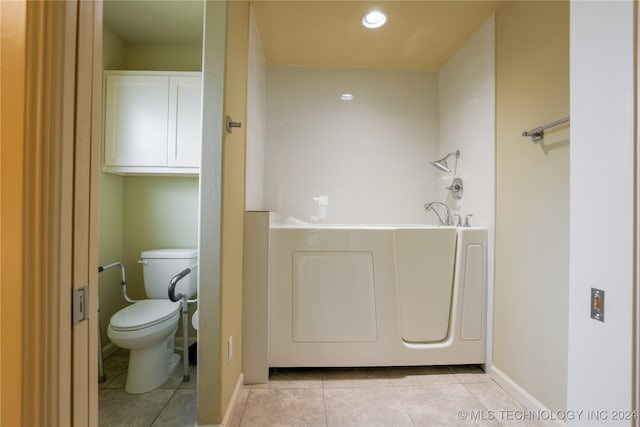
448, 219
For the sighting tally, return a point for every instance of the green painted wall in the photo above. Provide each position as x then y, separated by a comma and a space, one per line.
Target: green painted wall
110, 211
143, 212
113, 50
159, 212
110, 248
179, 57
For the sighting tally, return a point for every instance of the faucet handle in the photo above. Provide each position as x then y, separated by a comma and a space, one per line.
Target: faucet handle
457, 220
467, 223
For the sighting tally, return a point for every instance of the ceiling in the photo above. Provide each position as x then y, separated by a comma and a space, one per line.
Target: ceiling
419, 35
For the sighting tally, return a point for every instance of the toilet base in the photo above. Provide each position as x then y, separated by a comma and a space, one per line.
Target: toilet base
151, 367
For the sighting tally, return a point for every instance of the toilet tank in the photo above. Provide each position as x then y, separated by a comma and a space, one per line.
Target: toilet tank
160, 265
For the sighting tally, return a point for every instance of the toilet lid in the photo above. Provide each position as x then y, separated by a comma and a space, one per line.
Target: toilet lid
144, 313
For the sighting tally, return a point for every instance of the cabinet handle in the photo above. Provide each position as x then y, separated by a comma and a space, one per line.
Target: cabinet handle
230, 124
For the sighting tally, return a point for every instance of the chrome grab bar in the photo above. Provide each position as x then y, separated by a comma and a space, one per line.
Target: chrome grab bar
185, 316
114, 264
174, 281
123, 280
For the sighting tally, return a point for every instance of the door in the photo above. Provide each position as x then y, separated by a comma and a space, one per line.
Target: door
136, 110
52, 182
185, 128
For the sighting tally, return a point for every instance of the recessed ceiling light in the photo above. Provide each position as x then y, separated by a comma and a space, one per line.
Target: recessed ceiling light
374, 19
346, 96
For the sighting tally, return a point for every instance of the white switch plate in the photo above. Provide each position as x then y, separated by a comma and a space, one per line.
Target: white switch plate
230, 353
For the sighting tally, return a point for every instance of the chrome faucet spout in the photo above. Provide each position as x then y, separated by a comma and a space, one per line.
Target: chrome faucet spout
448, 218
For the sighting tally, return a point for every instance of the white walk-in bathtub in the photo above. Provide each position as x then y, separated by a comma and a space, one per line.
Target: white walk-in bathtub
342, 295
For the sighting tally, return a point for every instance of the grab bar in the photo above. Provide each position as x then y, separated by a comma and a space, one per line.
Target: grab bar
185, 316
174, 281
123, 280
537, 134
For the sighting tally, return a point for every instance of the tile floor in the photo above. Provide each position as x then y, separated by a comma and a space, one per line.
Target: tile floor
171, 405
340, 397
384, 397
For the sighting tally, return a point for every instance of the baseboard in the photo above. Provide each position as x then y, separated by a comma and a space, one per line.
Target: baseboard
234, 399
518, 393
232, 405
109, 349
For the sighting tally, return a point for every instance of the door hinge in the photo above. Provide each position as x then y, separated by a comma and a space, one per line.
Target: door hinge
80, 305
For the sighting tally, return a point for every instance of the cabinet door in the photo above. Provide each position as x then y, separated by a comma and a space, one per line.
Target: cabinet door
185, 130
137, 109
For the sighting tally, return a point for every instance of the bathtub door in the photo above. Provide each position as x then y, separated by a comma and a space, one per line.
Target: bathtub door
425, 262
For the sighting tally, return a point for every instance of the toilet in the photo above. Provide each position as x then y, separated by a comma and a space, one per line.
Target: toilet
148, 327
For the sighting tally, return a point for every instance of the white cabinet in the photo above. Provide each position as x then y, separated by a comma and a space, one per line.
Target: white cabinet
152, 122
185, 132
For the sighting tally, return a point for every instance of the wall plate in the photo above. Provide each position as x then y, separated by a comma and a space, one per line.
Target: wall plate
456, 188
597, 304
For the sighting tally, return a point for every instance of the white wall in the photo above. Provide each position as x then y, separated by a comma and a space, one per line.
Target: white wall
256, 120
467, 123
359, 161
601, 232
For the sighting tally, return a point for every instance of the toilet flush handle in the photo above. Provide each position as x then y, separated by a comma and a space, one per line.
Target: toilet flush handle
143, 261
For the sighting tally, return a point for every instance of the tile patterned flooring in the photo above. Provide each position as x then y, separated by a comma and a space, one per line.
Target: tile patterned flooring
316, 397
171, 405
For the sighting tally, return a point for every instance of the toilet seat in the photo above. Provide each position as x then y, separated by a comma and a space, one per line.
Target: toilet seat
144, 314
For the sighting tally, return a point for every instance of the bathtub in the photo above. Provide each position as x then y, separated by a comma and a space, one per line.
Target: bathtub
376, 295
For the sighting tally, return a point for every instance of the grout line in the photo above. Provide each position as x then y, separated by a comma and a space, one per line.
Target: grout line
406, 410
113, 376
165, 404
386, 374
244, 407
324, 403
485, 408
